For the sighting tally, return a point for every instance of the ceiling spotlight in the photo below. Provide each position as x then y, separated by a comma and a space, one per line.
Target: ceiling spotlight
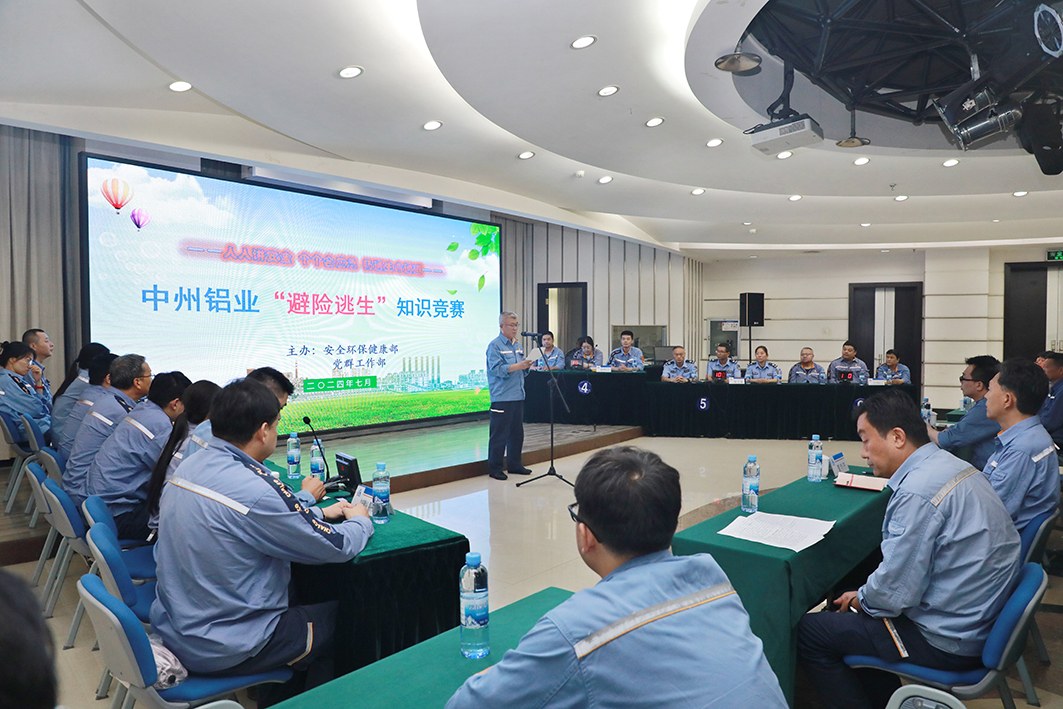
697, 191
861, 161
433, 125
784, 154
349, 72
1020, 193
605, 180
951, 162
714, 143
747, 223
996, 221
865, 224
526, 155
885, 251
753, 256
794, 197
853, 141
900, 198
654, 122
583, 42
608, 90
738, 61
180, 86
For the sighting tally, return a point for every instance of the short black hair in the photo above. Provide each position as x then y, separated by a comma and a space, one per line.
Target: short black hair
891, 409
1056, 357
849, 343
90, 352
627, 332
30, 336
27, 674
273, 379
724, 345
678, 347
166, 387
983, 368
630, 500
241, 408
893, 352
125, 369
548, 332
1026, 381
1045, 355
15, 349
100, 367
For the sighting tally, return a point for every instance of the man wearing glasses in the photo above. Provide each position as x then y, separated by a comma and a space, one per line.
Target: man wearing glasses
972, 438
657, 630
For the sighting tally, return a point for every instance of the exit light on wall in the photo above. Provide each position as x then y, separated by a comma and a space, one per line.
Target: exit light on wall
1056, 255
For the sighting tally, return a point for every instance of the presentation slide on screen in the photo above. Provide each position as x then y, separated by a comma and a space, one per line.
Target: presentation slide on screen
377, 315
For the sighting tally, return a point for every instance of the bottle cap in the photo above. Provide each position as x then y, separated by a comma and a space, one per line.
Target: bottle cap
293, 435
381, 466
752, 459
815, 436
472, 559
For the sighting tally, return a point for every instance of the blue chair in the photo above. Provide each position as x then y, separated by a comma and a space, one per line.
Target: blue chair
1032, 541
34, 434
127, 652
139, 557
67, 521
110, 563
37, 477
21, 450
1006, 641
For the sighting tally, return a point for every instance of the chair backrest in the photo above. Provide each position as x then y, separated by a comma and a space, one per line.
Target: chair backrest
37, 477
918, 696
1007, 637
113, 570
97, 512
34, 434
123, 641
1034, 536
52, 461
65, 516
12, 433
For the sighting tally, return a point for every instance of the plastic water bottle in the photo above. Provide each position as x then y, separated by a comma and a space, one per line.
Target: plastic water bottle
815, 459
472, 585
382, 495
294, 455
750, 484
925, 410
317, 462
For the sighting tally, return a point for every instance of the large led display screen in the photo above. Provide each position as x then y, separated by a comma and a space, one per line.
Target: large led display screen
376, 314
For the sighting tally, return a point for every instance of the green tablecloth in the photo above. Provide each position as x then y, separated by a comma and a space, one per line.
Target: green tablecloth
427, 674
777, 586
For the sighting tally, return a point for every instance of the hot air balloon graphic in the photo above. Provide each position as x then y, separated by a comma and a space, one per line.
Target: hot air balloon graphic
117, 193
140, 218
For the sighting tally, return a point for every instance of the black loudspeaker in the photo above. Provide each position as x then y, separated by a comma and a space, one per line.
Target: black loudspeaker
1040, 134
751, 309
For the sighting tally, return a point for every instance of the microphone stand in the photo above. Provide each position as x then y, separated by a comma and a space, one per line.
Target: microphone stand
328, 471
553, 387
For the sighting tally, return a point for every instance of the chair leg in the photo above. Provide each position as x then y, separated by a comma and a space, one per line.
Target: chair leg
130, 700
1027, 683
14, 489
120, 693
60, 580
16, 468
31, 505
1039, 643
34, 518
53, 573
74, 625
49, 544
104, 687
1005, 692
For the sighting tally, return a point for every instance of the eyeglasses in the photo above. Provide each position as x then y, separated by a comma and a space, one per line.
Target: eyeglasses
576, 518
967, 379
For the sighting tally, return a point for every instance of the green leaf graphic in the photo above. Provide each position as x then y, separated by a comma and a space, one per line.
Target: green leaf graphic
473, 254
480, 285
452, 292
454, 246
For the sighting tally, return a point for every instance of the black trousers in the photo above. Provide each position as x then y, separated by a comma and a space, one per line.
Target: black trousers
134, 524
823, 639
507, 435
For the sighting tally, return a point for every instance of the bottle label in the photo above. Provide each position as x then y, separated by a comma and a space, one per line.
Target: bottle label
474, 612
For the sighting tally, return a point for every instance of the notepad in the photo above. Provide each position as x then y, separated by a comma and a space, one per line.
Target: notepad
860, 482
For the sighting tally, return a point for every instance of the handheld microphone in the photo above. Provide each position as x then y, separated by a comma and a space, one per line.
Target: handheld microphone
328, 473
531, 334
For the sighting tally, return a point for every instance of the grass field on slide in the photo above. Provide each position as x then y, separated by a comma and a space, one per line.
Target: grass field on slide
365, 409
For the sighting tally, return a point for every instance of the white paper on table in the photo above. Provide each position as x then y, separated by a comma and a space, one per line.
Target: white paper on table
535, 354
784, 531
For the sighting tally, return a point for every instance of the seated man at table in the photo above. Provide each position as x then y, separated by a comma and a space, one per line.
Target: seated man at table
762, 371
657, 630
1051, 413
1023, 468
679, 369
553, 357
892, 371
950, 556
847, 369
721, 367
626, 357
807, 371
228, 533
971, 438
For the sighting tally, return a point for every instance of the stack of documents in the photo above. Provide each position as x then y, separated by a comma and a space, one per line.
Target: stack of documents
784, 531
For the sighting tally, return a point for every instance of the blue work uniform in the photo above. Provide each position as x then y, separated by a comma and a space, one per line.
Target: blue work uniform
714, 371
62, 406
799, 375
18, 398
1024, 471
506, 427
228, 533
555, 359
1051, 413
632, 358
46, 386
65, 439
660, 630
770, 370
96, 427
975, 431
885, 373
577, 360
846, 371
671, 370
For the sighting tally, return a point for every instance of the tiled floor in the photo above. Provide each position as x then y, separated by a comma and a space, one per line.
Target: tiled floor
526, 537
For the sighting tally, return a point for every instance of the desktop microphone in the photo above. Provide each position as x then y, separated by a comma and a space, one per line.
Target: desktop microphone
328, 473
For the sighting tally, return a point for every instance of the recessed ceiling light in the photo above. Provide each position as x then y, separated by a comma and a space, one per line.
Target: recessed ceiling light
996, 221
785, 154
885, 251
583, 42
433, 125
526, 155
861, 161
900, 198
865, 223
794, 197
951, 162
349, 72
180, 86
753, 256
747, 223
605, 180
1020, 193
654, 122
714, 143
697, 191
608, 90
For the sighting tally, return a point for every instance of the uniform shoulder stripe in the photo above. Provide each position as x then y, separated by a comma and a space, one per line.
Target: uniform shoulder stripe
140, 427
1044, 454
951, 485
103, 418
210, 494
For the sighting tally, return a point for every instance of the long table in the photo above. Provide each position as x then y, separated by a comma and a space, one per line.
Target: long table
777, 586
427, 674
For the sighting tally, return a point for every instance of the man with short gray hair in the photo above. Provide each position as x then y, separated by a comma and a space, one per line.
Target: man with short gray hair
506, 367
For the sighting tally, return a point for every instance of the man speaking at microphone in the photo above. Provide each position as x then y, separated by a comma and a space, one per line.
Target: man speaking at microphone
506, 367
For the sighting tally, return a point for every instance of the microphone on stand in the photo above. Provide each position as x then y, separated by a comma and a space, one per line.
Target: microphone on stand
328, 473
531, 334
